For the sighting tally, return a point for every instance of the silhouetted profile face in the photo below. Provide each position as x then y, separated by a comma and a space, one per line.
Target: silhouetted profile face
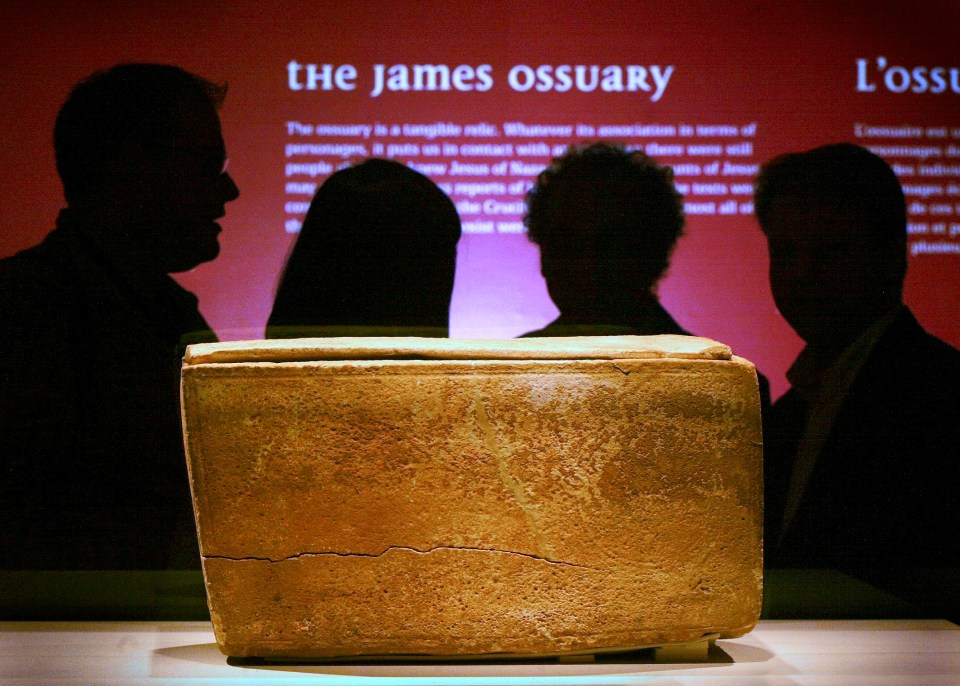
829, 273
142, 160
835, 221
186, 188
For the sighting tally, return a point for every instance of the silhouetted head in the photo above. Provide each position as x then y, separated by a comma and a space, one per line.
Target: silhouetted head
377, 248
835, 221
606, 221
140, 151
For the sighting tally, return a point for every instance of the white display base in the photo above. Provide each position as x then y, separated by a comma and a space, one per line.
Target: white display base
777, 652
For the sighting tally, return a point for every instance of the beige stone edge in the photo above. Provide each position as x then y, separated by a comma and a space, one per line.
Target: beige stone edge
381, 348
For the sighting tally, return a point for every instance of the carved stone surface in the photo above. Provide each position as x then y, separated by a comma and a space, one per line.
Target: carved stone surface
404, 496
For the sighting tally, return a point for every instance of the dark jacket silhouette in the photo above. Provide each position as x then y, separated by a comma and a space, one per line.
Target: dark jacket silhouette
92, 328
862, 453
884, 488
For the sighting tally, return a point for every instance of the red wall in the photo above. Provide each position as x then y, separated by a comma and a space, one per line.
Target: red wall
787, 77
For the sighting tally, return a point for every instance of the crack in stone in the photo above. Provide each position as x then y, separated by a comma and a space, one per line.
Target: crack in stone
400, 547
625, 372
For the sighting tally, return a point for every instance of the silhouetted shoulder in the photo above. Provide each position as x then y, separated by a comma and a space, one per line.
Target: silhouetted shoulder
38, 300
914, 376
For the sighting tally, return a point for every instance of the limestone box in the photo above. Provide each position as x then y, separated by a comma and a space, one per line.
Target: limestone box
372, 496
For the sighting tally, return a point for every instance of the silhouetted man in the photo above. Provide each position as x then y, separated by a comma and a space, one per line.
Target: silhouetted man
861, 453
606, 221
91, 327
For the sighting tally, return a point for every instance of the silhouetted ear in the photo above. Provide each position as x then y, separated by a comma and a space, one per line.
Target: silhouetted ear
895, 258
129, 175
122, 202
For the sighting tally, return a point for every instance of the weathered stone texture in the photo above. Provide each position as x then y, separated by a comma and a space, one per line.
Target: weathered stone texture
474, 506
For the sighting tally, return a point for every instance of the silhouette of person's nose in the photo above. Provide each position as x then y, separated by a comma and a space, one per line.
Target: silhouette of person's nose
228, 188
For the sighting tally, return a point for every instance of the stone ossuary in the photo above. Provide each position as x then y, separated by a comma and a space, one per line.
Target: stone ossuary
442, 497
